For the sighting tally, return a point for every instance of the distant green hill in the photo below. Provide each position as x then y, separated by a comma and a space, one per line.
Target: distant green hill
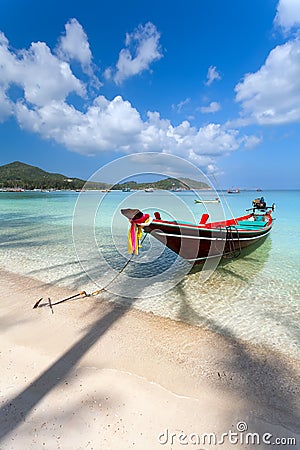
25, 176
193, 184
166, 183
18, 174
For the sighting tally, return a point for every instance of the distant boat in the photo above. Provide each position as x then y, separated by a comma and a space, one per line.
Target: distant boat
126, 189
258, 190
233, 191
207, 201
175, 189
149, 189
15, 190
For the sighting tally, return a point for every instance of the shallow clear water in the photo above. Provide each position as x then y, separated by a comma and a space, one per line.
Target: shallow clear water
255, 298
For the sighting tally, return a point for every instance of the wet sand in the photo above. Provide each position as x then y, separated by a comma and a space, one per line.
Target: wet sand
98, 375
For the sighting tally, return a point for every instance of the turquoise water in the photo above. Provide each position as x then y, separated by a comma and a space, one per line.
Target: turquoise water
255, 298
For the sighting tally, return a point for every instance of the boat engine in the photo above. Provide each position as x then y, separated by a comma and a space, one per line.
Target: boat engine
259, 203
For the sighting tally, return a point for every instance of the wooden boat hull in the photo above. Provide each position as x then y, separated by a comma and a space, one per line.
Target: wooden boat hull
197, 244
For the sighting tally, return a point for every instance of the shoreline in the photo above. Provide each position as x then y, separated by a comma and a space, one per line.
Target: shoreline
166, 372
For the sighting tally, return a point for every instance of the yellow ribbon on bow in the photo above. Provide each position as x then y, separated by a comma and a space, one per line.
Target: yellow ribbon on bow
135, 233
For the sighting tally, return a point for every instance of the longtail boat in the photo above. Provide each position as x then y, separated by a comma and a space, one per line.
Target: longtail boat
207, 201
198, 242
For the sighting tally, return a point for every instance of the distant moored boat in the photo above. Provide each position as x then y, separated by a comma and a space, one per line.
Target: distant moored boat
233, 191
216, 200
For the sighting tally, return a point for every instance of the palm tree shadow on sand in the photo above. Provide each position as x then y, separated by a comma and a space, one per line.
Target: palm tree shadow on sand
15, 410
253, 371
269, 386
264, 382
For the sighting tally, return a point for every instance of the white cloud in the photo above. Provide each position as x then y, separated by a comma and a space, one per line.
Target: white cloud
107, 73
288, 14
74, 44
105, 126
212, 75
142, 48
211, 108
117, 126
44, 107
272, 94
6, 107
251, 141
181, 104
44, 77
41, 75
8, 63
187, 141
211, 168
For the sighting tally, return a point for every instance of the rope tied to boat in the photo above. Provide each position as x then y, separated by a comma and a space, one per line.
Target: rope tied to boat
232, 251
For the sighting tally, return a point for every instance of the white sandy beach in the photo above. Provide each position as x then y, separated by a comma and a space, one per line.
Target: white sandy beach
94, 375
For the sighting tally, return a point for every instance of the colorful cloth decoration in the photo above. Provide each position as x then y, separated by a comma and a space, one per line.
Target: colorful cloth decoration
135, 234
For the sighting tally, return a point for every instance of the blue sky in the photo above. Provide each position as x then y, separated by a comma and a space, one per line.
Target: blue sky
214, 82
